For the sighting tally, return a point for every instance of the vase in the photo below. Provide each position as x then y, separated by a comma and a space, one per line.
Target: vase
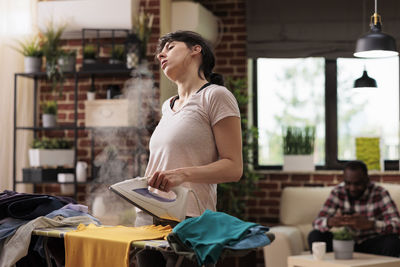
91, 96
343, 249
67, 63
49, 120
32, 64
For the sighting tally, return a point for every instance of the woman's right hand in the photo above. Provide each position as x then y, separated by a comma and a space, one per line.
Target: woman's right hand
165, 180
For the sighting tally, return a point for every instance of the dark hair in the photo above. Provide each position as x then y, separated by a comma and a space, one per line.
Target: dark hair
191, 39
357, 165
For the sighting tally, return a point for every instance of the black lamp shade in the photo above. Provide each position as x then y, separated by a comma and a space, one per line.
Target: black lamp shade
365, 81
376, 44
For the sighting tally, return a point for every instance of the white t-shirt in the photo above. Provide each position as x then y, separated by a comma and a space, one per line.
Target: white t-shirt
185, 138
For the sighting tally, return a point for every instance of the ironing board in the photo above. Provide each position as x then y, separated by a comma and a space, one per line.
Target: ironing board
159, 245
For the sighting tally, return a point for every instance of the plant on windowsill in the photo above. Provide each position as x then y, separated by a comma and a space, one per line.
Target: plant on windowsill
51, 152
232, 197
343, 243
298, 148
49, 113
31, 49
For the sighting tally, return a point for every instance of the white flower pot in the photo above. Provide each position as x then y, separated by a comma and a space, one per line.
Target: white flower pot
298, 163
32, 64
49, 120
343, 249
51, 157
91, 96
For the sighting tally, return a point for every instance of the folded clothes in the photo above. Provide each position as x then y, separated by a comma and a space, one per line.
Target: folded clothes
212, 232
29, 206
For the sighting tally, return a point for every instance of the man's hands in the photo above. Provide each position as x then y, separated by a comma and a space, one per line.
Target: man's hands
355, 221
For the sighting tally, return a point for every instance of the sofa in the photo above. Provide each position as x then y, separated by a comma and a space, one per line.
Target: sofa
299, 206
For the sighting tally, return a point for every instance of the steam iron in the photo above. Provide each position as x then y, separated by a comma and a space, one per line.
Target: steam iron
136, 192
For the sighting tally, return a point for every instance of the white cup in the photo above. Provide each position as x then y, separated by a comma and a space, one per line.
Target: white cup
67, 189
319, 250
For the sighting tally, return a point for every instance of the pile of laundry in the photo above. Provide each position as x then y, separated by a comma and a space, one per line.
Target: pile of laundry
215, 234
21, 213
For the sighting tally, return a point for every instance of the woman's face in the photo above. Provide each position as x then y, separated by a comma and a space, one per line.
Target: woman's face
174, 59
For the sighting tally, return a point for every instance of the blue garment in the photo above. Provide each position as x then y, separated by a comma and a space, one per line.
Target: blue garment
210, 233
31, 208
9, 226
255, 238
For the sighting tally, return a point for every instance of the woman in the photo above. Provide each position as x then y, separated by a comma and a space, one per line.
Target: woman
197, 143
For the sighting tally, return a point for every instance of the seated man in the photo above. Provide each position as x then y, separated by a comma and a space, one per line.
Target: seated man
364, 207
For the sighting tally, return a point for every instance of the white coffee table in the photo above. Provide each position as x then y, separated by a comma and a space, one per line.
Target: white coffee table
359, 260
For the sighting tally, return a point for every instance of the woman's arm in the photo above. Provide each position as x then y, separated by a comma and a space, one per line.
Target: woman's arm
228, 168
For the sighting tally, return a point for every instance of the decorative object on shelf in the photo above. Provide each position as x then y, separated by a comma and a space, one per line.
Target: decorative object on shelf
298, 148
91, 94
52, 52
51, 152
40, 174
113, 91
110, 113
66, 189
81, 171
232, 196
132, 51
89, 54
67, 61
142, 28
343, 243
117, 54
368, 151
49, 116
376, 44
365, 81
104, 53
31, 48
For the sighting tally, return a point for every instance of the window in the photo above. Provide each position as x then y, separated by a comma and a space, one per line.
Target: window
368, 112
316, 91
290, 92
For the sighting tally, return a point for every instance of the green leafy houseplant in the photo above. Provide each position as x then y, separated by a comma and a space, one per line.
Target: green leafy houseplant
118, 53
232, 196
89, 52
49, 107
142, 28
52, 52
298, 140
30, 47
51, 143
343, 234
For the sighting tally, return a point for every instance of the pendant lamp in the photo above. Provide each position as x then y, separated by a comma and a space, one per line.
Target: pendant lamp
376, 44
365, 81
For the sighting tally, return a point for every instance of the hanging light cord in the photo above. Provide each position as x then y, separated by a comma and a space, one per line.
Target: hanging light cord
376, 16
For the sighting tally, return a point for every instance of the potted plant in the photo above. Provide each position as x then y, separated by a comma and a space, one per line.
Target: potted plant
51, 152
343, 243
67, 60
52, 52
49, 113
117, 55
31, 48
298, 148
89, 54
91, 94
142, 28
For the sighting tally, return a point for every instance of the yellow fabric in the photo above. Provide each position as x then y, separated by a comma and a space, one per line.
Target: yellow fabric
106, 246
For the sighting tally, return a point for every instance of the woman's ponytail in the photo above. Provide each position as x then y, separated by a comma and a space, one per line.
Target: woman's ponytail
216, 78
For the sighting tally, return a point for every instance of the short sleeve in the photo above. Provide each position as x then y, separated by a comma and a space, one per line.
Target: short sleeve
221, 104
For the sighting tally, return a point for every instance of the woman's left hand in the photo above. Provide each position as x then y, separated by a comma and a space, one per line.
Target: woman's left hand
165, 180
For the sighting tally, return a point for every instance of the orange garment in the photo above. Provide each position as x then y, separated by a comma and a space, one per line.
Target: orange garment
106, 246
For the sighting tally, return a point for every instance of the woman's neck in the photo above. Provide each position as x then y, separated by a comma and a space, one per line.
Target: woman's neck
190, 86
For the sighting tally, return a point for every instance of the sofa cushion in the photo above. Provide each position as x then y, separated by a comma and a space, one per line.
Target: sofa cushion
394, 191
301, 205
292, 235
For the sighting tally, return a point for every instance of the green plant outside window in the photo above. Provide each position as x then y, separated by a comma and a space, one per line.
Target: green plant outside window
298, 140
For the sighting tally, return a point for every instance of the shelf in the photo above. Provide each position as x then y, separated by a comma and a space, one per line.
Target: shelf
55, 182
80, 73
66, 127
